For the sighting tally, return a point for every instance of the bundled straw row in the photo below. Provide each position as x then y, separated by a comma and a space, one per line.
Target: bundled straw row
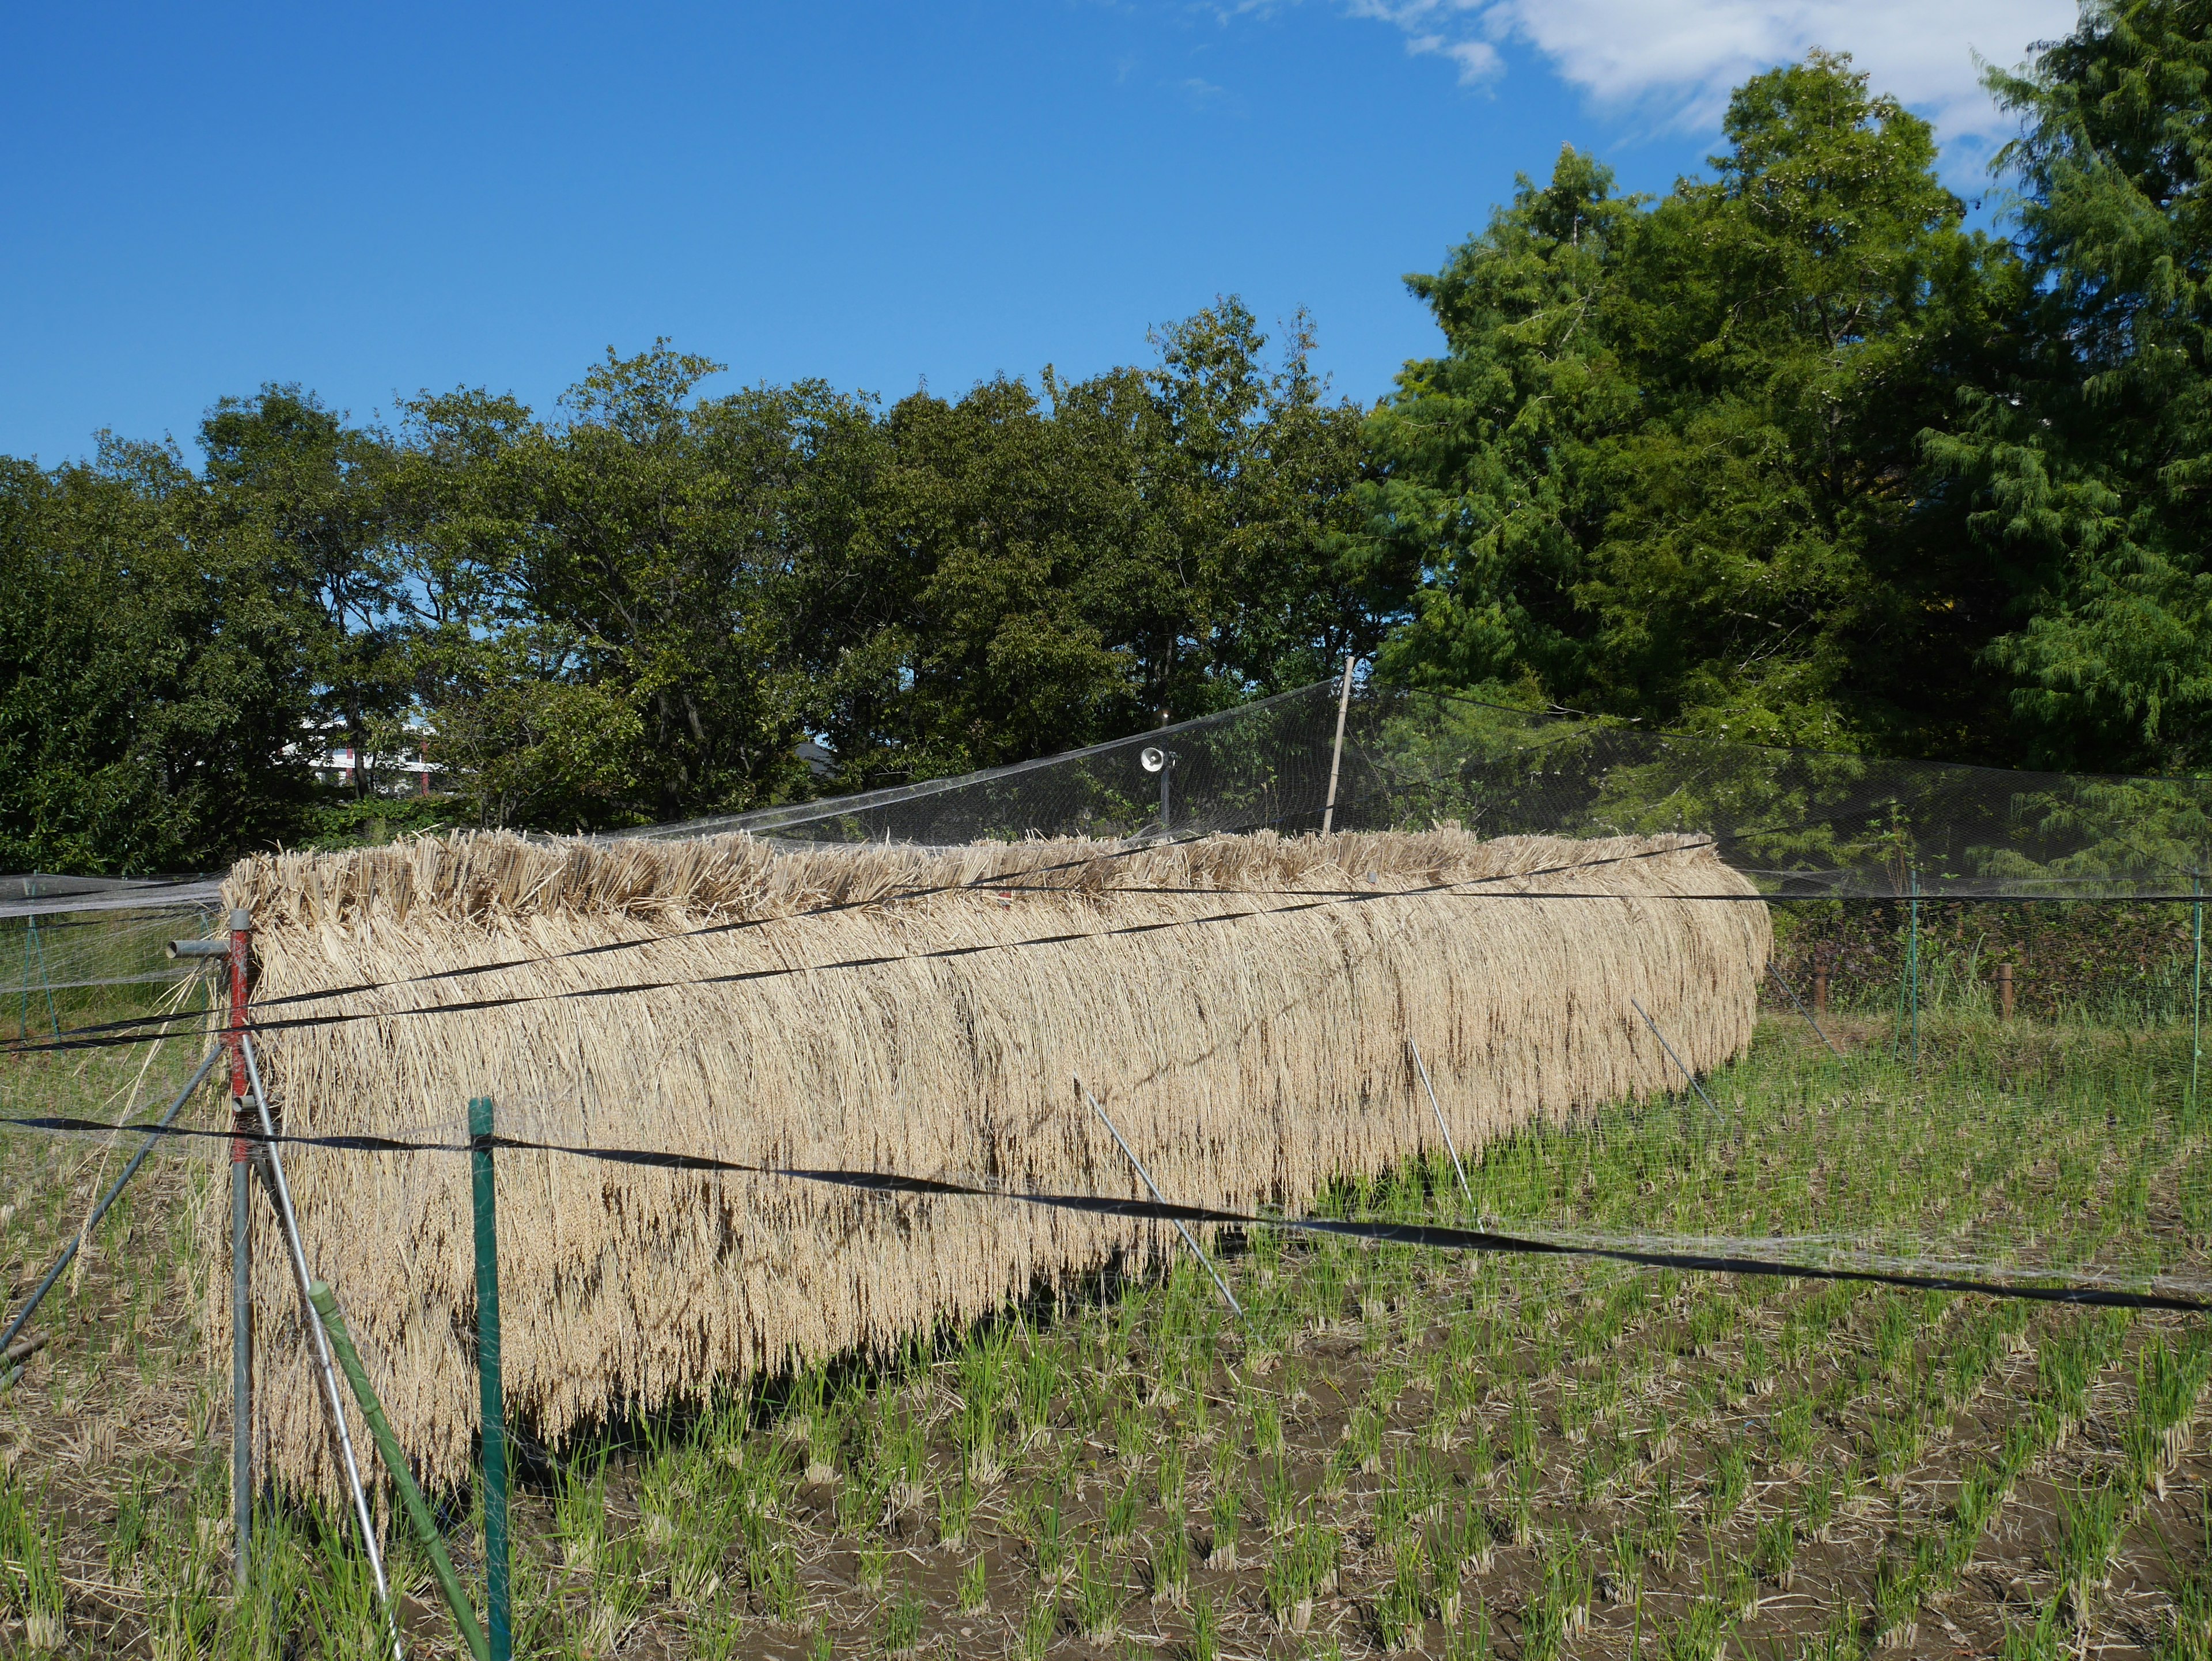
1250, 1053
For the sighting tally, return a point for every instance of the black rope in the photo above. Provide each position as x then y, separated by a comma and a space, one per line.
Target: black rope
1433, 1236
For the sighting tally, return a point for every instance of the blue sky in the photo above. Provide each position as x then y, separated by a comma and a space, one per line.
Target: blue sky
373, 200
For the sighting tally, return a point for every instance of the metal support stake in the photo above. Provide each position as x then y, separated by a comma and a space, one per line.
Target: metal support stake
69, 1251
1913, 962
1801, 1010
241, 1259
395, 1463
280, 1196
2196, 988
1336, 755
1188, 1238
1677, 1060
1460, 1170
487, 1378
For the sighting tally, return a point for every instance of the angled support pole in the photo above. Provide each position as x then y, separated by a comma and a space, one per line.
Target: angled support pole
1188, 1238
1458, 1170
272, 1166
1676, 1059
69, 1251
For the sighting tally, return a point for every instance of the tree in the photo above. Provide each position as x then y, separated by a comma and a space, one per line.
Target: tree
152, 675
1670, 466
2088, 463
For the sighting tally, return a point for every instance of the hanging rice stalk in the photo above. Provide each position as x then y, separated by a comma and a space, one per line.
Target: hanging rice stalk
1248, 1061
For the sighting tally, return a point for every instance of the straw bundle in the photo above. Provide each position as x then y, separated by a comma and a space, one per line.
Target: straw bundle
1248, 1059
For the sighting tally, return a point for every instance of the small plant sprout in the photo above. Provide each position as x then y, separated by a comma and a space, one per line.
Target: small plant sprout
975, 1595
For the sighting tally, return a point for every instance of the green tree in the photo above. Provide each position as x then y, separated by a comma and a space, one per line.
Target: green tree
152, 673
1670, 466
2088, 463
283, 470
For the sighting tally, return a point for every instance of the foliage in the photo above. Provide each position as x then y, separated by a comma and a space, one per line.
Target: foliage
1667, 468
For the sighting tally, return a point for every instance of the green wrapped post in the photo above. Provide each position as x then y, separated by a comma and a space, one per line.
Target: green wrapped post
2197, 991
1913, 964
387, 1446
495, 1417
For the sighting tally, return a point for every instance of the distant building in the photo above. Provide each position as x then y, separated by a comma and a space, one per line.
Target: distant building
404, 771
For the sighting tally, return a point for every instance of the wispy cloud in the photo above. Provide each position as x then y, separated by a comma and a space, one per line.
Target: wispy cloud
1672, 62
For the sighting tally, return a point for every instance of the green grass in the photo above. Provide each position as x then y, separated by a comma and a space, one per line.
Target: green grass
1399, 1449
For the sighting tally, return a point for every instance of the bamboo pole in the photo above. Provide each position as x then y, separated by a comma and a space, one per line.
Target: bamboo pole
484, 1196
1336, 755
387, 1446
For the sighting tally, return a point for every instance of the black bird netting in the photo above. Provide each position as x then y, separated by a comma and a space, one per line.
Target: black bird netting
1896, 1109
1802, 823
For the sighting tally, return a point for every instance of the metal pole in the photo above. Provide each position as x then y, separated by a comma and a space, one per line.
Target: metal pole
280, 1196
487, 1378
395, 1463
241, 1258
1801, 1010
1913, 960
1677, 1060
1336, 756
2196, 989
1456, 1167
69, 1251
46, 982
1188, 1238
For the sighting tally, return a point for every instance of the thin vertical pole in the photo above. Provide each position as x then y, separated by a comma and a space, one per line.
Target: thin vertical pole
2196, 989
1912, 957
1336, 756
241, 1258
488, 1376
46, 982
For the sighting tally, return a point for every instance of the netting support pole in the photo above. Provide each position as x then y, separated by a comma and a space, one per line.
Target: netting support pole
241, 1258
1457, 1168
272, 1166
69, 1251
1912, 968
1188, 1238
2197, 989
496, 1613
1336, 755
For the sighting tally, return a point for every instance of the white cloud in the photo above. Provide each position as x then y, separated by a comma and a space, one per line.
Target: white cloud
1673, 61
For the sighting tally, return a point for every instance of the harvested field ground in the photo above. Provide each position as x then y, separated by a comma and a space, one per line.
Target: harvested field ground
1397, 1451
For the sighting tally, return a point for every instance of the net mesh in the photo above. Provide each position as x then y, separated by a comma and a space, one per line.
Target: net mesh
1803, 823
1897, 1108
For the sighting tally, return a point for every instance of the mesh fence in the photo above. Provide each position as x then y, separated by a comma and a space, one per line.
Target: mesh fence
1929, 1088
1803, 824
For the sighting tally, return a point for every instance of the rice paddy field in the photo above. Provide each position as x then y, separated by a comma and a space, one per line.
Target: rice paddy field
1394, 1452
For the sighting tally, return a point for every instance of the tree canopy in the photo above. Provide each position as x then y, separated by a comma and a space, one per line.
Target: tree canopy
1793, 452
